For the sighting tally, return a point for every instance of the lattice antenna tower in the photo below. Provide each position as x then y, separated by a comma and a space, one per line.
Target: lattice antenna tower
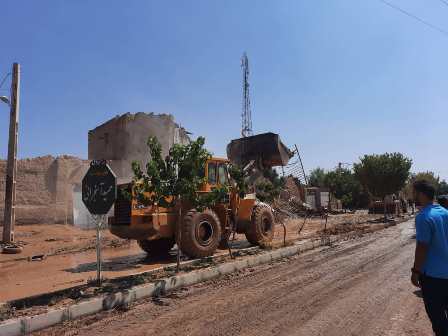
246, 115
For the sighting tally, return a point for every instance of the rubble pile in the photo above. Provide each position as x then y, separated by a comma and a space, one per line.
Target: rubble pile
290, 203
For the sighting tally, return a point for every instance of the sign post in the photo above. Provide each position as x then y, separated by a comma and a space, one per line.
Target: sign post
98, 222
99, 192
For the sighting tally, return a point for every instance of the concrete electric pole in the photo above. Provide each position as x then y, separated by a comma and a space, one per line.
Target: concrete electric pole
11, 169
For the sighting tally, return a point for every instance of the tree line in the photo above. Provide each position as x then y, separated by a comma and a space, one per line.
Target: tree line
373, 178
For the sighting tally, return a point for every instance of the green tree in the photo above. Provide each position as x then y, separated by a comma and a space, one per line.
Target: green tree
443, 188
270, 186
440, 185
179, 175
427, 176
344, 186
317, 178
384, 174
239, 176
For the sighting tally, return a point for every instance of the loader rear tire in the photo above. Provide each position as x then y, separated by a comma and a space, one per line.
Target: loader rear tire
201, 233
261, 227
158, 247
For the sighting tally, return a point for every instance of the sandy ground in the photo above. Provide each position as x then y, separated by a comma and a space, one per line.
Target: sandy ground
71, 256
357, 287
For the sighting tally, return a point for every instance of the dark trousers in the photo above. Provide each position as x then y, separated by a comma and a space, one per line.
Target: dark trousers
435, 296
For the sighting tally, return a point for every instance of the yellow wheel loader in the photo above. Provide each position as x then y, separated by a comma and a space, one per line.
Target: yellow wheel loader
202, 232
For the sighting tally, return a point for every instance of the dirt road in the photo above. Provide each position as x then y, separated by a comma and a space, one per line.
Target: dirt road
359, 287
72, 258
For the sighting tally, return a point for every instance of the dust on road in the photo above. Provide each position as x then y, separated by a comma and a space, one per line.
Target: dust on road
72, 257
359, 287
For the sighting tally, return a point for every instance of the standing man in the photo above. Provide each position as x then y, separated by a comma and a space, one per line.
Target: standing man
430, 271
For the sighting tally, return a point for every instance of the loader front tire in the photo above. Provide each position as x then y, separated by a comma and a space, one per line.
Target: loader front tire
158, 247
261, 227
201, 233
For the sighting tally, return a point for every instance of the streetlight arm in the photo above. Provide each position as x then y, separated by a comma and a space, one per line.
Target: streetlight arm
5, 100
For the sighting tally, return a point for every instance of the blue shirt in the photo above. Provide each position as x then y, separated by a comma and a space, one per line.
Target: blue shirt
431, 226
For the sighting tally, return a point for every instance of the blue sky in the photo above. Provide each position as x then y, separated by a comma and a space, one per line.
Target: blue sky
341, 78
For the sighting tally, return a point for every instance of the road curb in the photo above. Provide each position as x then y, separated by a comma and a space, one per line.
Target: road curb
24, 325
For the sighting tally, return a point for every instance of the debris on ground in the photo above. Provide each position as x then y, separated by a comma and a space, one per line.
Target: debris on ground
12, 248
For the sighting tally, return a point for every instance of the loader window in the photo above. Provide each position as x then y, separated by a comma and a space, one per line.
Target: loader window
211, 173
222, 174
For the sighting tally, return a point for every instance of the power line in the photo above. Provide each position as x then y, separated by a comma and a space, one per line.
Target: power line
444, 2
415, 17
4, 79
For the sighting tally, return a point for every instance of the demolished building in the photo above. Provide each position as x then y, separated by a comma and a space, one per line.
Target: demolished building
48, 188
122, 140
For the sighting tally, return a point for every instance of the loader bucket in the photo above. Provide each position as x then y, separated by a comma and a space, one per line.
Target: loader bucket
265, 148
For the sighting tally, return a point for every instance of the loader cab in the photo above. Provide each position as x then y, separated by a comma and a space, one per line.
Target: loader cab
216, 173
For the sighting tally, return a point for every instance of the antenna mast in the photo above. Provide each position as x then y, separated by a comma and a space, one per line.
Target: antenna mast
246, 115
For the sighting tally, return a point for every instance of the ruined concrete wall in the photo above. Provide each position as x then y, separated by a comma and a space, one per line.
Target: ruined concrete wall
47, 185
123, 140
44, 188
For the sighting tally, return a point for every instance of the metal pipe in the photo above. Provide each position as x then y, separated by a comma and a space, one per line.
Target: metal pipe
98, 222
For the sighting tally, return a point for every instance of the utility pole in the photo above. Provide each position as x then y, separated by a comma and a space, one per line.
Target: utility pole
11, 169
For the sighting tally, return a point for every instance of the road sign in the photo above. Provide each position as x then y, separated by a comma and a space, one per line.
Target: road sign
99, 188
99, 192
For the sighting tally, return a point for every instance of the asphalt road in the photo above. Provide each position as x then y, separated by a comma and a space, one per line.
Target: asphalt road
358, 287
